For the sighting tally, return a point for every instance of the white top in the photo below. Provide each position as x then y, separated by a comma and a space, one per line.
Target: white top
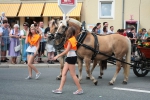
110, 32
1, 30
71, 53
13, 32
22, 33
31, 49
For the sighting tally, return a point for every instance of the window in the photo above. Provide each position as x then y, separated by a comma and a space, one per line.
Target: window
106, 9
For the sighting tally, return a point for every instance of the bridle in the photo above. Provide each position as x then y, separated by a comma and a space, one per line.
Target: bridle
59, 36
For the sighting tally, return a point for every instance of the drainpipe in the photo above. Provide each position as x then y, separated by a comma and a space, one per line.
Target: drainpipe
123, 14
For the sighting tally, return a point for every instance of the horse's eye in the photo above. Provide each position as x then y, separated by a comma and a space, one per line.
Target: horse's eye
55, 28
63, 26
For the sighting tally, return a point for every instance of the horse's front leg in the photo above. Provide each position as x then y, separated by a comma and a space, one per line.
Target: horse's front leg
80, 65
87, 65
61, 61
118, 68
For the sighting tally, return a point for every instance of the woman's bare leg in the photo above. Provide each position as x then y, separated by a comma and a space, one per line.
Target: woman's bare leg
63, 78
29, 68
30, 61
73, 74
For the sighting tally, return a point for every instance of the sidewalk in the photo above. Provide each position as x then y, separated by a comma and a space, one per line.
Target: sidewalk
39, 65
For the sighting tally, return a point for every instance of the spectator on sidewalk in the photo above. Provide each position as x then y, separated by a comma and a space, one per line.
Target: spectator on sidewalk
50, 42
23, 34
14, 41
105, 30
42, 42
4, 33
111, 31
2, 17
98, 28
33, 39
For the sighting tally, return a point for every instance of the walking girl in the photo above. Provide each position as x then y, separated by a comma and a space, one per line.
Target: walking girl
34, 40
70, 48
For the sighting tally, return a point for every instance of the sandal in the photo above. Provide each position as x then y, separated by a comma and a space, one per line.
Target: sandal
13, 63
57, 91
78, 92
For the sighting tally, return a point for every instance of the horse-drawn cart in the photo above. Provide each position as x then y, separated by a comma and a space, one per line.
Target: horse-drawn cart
142, 63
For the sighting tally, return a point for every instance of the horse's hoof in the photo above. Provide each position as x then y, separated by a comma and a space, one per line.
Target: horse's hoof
95, 83
77, 76
111, 83
87, 77
124, 82
58, 78
99, 77
102, 74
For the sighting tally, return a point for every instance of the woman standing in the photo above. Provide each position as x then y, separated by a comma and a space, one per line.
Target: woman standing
14, 41
23, 34
105, 30
70, 48
33, 39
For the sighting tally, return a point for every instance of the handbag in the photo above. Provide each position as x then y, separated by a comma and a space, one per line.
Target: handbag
18, 47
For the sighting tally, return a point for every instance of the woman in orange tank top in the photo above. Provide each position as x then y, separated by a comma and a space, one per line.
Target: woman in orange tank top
34, 40
70, 48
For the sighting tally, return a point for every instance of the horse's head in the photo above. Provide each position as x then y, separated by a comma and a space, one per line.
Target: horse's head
53, 29
63, 27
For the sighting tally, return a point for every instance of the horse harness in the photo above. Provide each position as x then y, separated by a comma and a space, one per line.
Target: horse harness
80, 40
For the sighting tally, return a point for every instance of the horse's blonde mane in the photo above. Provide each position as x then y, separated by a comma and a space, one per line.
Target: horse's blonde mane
74, 21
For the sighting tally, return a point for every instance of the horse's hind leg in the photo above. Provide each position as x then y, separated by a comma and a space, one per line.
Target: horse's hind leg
125, 76
118, 68
87, 65
61, 61
80, 65
101, 70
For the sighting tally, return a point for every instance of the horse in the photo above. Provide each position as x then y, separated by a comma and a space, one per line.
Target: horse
53, 29
106, 44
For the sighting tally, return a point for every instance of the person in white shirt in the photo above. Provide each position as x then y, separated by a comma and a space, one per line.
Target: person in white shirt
111, 31
42, 42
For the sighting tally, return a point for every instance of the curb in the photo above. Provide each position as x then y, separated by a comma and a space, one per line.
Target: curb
37, 65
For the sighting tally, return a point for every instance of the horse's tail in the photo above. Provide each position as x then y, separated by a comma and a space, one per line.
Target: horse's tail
104, 64
128, 59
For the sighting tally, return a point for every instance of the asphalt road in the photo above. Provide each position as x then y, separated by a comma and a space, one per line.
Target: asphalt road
13, 86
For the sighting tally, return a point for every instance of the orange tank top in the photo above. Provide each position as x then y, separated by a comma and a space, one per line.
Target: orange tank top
73, 43
34, 40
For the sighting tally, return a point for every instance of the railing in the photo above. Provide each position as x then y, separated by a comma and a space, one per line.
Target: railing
20, 56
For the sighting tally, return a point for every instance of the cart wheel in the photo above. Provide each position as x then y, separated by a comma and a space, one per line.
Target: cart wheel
139, 69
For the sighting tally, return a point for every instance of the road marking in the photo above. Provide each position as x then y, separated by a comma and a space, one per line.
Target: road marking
133, 90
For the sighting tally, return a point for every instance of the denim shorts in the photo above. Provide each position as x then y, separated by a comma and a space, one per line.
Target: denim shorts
30, 53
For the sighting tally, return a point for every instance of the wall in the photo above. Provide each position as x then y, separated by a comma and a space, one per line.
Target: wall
89, 13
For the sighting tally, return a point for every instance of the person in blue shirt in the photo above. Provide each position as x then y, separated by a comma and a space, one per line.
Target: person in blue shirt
4, 33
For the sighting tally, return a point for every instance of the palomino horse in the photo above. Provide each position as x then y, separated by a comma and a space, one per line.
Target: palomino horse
59, 49
107, 44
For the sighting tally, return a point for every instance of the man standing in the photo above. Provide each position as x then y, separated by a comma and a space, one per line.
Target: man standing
4, 33
105, 24
111, 31
42, 42
3, 17
132, 36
